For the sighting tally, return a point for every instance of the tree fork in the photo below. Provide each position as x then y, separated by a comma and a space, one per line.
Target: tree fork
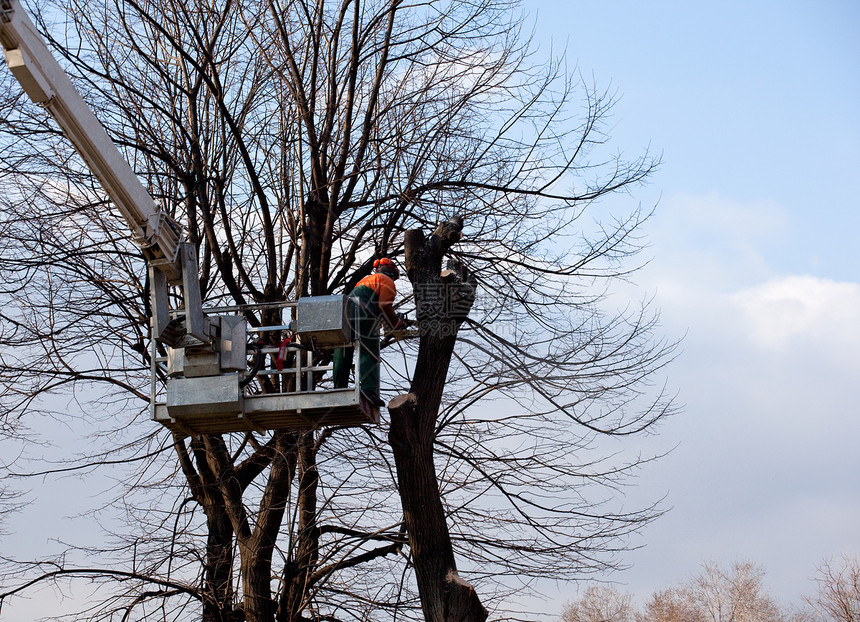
442, 302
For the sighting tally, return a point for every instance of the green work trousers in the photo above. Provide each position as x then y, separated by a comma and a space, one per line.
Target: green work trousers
367, 330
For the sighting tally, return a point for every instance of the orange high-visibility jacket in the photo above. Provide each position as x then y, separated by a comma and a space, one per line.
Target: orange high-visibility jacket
382, 293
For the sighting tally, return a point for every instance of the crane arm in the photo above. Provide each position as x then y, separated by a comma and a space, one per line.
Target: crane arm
46, 83
170, 259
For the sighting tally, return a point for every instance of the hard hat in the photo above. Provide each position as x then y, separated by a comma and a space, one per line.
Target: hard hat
387, 267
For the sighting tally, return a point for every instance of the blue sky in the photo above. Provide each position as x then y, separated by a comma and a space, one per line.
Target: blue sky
755, 107
757, 101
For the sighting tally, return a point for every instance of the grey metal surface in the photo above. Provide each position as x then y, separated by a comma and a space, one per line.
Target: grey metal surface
199, 398
272, 412
323, 319
197, 324
216, 395
201, 361
175, 362
233, 343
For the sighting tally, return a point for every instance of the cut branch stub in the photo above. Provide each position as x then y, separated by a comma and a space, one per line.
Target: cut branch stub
462, 603
443, 298
402, 409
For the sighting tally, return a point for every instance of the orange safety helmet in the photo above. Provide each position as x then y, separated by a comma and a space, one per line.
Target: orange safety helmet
387, 267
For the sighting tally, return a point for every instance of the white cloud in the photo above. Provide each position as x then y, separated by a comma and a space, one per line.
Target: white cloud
766, 444
800, 310
722, 273
704, 247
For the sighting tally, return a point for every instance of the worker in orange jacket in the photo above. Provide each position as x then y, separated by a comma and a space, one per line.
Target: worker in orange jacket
372, 301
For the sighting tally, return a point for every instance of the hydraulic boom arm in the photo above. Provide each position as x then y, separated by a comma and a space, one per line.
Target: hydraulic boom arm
47, 84
206, 355
158, 235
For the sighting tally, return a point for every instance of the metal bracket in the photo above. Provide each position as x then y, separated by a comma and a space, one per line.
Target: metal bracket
196, 323
6, 11
161, 232
160, 308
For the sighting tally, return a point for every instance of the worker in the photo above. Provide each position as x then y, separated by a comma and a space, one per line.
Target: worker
372, 301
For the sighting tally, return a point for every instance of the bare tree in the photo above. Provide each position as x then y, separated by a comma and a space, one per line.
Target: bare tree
599, 603
838, 597
735, 595
671, 605
716, 595
297, 141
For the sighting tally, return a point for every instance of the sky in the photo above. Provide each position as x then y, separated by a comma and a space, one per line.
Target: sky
754, 255
755, 107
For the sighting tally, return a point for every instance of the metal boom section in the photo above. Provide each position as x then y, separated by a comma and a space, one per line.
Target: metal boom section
46, 83
159, 236
206, 388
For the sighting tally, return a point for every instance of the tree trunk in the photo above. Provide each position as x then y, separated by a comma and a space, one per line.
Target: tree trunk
218, 567
442, 302
218, 600
219, 485
256, 583
299, 568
